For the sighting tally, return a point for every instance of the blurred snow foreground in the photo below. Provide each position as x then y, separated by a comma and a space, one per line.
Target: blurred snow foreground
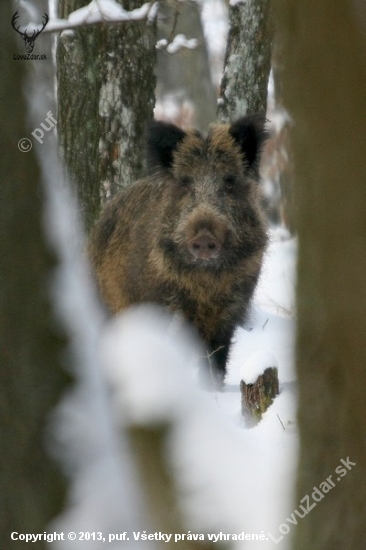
227, 479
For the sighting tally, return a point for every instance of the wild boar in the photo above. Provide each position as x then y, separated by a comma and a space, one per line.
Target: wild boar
191, 235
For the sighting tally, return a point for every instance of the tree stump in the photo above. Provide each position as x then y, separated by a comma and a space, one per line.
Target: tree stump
257, 397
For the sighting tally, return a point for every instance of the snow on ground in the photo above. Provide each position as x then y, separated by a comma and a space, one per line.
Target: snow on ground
272, 321
269, 449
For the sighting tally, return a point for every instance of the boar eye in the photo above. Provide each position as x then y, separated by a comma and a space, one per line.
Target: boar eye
185, 182
229, 182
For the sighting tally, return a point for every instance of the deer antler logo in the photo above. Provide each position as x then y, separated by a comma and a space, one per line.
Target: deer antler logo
28, 40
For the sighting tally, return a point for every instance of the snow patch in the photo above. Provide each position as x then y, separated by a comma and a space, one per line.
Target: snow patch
147, 364
256, 364
179, 41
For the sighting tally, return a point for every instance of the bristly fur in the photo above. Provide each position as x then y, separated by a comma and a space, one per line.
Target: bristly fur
197, 185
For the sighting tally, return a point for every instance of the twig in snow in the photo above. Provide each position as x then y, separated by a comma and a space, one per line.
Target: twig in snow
281, 423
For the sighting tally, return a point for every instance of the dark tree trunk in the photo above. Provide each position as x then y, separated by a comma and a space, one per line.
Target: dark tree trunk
106, 88
247, 61
31, 344
324, 75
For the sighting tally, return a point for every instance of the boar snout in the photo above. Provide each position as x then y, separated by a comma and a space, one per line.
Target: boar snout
204, 246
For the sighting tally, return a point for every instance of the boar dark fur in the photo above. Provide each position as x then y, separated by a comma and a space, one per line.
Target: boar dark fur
190, 236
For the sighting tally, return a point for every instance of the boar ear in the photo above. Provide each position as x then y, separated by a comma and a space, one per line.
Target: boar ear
250, 134
162, 140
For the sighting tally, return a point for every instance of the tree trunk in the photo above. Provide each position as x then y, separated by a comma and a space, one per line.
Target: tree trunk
186, 73
247, 61
106, 88
160, 486
257, 397
282, 152
31, 344
324, 77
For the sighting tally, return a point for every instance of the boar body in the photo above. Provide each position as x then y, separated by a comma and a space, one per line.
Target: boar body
190, 236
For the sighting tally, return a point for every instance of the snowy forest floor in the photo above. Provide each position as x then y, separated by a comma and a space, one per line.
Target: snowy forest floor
271, 447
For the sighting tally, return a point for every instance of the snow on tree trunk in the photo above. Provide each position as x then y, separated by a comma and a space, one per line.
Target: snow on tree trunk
324, 72
32, 345
106, 88
247, 60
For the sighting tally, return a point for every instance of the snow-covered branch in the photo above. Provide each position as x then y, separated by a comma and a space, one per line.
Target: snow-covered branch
102, 11
108, 11
179, 42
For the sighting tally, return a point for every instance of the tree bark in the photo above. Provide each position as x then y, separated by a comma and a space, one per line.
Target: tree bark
31, 343
258, 397
106, 88
247, 61
324, 75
